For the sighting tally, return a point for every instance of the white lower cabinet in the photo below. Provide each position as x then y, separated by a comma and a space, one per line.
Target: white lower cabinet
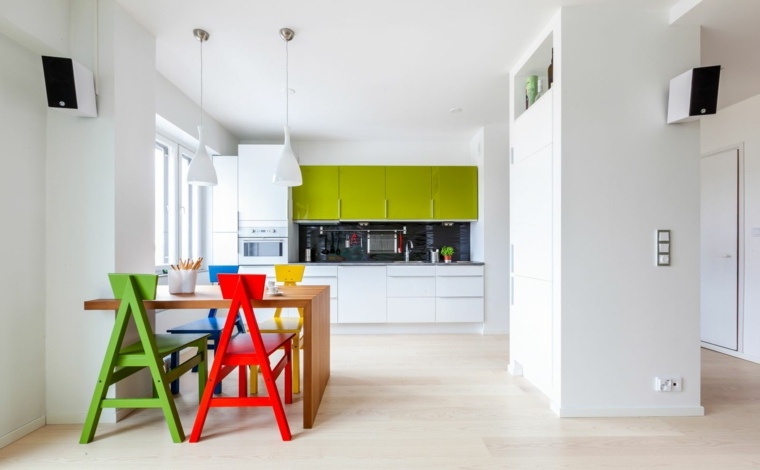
459, 294
396, 294
324, 276
363, 297
411, 294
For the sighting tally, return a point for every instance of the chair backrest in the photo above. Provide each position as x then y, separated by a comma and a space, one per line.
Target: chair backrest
289, 273
215, 270
254, 284
146, 285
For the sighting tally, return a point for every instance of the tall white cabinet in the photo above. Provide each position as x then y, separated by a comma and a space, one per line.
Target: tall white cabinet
532, 160
224, 211
595, 171
245, 192
259, 199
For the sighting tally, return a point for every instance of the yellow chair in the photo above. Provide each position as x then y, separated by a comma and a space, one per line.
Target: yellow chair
289, 275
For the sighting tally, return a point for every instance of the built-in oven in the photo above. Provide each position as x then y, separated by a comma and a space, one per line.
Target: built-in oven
262, 244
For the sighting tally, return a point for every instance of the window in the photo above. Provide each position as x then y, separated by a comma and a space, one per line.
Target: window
178, 205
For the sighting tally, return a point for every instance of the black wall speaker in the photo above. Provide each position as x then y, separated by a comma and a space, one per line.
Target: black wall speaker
69, 86
694, 94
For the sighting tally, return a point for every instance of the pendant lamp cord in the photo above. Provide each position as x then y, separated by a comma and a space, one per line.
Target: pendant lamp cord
287, 89
201, 41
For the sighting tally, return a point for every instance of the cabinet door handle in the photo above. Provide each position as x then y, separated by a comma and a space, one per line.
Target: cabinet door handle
512, 258
339, 208
432, 208
386, 208
511, 290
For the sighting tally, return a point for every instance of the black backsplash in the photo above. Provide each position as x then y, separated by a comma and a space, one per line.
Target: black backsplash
424, 236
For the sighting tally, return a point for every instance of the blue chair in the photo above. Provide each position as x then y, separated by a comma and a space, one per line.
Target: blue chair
210, 325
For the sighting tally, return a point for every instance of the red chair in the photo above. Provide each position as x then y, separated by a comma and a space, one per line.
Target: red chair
243, 350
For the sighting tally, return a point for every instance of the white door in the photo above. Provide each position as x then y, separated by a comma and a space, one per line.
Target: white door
719, 248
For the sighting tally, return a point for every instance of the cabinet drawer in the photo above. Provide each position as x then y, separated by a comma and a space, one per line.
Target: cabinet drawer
411, 287
410, 271
411, 310
320, 271
459, 286
459, 310
458, 270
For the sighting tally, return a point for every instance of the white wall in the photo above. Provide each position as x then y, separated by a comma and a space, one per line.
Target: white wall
99, 207
490, 234
83, 189
22, 210
731, 126
625, 174
179, 117
41, 26
383, 153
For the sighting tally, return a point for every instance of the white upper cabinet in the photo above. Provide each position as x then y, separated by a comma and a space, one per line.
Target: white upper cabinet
258, 198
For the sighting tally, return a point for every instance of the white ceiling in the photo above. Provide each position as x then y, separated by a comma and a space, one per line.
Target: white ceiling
388, 70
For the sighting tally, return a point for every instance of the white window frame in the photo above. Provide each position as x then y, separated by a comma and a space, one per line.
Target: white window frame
180, 223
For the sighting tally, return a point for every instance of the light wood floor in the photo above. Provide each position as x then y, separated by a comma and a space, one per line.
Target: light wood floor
432, 402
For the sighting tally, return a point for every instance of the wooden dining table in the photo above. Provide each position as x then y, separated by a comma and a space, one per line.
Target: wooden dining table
315, 302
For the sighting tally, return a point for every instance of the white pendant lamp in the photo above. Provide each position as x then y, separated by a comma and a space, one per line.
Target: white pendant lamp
201, 171
287, 172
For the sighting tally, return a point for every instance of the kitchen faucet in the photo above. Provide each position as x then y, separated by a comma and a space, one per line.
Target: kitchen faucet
409, 245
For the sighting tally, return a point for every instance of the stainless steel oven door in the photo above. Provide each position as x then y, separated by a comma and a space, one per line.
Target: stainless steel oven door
257, 251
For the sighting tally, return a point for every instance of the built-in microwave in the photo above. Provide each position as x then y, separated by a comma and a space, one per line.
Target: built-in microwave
262, 245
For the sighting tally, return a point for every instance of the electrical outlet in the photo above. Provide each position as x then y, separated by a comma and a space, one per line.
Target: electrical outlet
670, 384
676, 384
662, 385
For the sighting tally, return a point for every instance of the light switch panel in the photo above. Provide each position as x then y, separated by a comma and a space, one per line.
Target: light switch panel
663, 248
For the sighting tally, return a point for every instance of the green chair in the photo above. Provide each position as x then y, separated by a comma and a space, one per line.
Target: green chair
147, 353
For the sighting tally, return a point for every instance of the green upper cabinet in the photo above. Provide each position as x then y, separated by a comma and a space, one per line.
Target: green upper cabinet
318, 197
362, 193
408, 191
455, 192
403, 193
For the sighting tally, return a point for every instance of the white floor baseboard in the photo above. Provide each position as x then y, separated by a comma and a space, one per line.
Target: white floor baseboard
627, 412
17, 434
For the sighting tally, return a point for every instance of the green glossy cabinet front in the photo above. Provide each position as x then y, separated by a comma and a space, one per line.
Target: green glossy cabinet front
387, 193
362, 192
318, 197
455, 192
408, 191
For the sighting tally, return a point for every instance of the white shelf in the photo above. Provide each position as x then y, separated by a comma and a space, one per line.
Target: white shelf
537, 64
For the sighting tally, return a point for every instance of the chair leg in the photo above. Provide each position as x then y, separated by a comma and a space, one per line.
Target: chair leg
253, 380
217, 387
173, 363
93, 414
106, 375
242, 381
167, 402
239, 325
274, 397
296, 358
202, 369
205, 402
